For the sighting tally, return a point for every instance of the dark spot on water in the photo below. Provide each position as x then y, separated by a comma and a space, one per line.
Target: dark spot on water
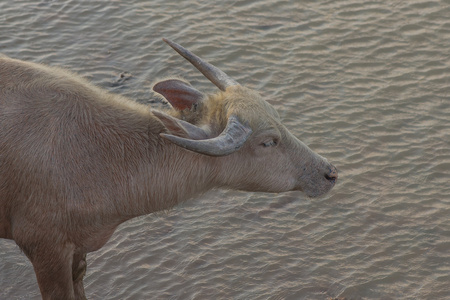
122, 78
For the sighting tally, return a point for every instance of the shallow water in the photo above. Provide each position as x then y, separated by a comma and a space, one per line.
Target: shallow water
365, 84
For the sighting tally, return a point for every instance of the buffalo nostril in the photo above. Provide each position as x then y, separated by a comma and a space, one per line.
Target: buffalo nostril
332, 174
328, 177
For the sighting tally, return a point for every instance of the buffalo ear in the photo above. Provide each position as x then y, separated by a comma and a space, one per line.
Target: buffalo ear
180, 94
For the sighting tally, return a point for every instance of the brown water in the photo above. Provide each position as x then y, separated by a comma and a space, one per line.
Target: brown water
364, 83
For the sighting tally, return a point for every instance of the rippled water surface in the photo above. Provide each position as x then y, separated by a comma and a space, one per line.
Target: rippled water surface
364, 83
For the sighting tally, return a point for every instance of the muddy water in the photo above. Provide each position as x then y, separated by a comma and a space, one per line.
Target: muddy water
365, 84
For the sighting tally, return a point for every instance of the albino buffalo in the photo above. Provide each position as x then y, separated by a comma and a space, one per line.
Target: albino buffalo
76, 161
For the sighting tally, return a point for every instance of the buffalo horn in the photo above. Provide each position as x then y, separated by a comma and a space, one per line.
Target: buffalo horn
214, 74
230, 140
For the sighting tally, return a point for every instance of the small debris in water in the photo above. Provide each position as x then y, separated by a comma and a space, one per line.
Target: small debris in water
124, 76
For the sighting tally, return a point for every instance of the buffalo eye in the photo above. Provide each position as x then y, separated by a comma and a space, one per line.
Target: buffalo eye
271, 143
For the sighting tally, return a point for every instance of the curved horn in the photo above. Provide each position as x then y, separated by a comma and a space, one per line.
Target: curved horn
214, 74
193, 131
230, 140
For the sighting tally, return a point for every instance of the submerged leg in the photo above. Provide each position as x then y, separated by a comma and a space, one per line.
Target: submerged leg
53, 267
78, 271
